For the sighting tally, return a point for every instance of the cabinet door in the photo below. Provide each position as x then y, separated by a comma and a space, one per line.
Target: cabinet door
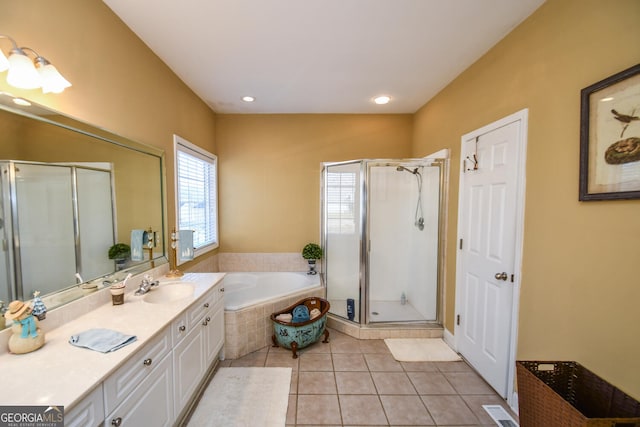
214, 331
188, 363
150, 403
88, 413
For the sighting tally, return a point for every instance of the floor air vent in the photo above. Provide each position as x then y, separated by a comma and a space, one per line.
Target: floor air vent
500, 416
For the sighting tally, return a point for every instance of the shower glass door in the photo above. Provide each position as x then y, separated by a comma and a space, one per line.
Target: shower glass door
403, 201
342, 225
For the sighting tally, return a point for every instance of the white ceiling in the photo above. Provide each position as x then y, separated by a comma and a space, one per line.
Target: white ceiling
320, 56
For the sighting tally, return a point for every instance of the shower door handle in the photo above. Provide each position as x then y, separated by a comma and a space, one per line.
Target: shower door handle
501, 276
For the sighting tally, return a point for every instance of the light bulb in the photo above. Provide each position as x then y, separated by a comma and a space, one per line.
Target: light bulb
4, 62
381, 100
22, 73
52, 80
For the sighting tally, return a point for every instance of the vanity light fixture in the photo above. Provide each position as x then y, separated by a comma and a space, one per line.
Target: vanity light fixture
248, 98
27, 73
382, 99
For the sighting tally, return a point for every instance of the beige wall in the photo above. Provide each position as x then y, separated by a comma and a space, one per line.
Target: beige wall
580, 283
118, 83
270, 171
580, 288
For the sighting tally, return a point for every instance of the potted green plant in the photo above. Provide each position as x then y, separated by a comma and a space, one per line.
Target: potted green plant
119, 252
312, 252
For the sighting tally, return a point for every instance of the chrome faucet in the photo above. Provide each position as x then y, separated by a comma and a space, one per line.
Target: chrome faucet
146, 285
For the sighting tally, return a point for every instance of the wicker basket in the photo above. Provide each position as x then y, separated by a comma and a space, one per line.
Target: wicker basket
566, 394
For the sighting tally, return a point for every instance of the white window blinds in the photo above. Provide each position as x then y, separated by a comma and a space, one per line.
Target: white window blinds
341, 196
196, 193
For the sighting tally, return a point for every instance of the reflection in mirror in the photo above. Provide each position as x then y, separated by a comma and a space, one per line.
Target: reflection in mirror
68, 192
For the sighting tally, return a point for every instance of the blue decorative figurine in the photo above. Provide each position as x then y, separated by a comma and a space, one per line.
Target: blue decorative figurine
39, 309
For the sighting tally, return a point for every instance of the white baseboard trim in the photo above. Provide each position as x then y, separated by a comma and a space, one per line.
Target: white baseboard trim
450, 339
513, 403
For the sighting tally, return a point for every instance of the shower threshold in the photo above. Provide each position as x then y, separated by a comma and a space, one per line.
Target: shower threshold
382, 311
385, 330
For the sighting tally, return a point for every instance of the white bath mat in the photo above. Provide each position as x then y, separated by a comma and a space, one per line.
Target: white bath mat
244, 397
421, 350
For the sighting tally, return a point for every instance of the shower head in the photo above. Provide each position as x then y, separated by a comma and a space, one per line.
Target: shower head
402, 168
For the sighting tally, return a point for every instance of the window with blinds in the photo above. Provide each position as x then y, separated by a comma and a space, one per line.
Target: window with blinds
341, 196
197, 194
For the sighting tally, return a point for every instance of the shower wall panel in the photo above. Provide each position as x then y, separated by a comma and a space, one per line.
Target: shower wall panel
403, 259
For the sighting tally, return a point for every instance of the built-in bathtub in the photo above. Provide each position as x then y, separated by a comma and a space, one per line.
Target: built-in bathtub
249, 300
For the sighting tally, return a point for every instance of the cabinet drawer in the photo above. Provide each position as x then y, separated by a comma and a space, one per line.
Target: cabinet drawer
200, 307
121, 383
88, 412
179, 329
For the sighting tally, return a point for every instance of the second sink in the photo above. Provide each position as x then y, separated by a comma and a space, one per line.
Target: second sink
169, 292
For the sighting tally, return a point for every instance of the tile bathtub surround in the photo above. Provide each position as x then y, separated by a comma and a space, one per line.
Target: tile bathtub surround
250, 329
285, 261
352, 382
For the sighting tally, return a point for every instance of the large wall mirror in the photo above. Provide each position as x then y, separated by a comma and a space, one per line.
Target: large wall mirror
68, 192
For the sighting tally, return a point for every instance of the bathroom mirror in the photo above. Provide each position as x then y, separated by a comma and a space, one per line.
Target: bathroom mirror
68, 192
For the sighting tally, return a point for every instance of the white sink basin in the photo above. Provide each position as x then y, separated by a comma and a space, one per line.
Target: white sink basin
169, 292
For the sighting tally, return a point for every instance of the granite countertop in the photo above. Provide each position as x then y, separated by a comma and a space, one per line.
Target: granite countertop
62, 374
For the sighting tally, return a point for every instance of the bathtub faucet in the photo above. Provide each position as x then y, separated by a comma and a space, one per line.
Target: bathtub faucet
146, 285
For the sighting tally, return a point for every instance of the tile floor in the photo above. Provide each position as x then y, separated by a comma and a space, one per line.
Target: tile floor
351, 382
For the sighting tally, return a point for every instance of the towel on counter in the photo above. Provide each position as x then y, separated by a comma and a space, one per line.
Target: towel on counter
102, 340
137, 240
185, 244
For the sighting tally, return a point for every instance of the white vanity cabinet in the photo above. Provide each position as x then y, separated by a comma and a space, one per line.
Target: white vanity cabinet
198, 336
153, 382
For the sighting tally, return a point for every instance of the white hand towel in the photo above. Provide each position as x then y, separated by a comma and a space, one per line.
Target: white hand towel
285, 317
185, 245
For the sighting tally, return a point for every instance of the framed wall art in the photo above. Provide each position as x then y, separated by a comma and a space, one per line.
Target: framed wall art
610, 138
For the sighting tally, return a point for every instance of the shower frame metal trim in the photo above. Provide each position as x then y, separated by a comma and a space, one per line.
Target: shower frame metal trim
442, 165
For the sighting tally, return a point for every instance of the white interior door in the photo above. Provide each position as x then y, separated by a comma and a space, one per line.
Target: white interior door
489, 249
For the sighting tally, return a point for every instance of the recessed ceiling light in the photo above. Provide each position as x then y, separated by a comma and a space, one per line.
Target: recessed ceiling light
381, 100
248, 98
20, 101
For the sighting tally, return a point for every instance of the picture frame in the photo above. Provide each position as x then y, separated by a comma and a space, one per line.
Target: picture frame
610, 138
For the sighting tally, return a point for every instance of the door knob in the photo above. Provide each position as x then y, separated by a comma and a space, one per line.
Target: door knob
501, 276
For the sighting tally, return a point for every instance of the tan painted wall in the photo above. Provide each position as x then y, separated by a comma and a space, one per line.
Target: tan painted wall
118, 83
580, 290
580, 282
270, 169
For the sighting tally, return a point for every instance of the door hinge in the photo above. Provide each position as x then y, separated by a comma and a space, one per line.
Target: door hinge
460, 244
458, 320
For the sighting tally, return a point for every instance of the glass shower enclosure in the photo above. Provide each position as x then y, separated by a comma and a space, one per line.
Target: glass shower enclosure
43, 209
381, 228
